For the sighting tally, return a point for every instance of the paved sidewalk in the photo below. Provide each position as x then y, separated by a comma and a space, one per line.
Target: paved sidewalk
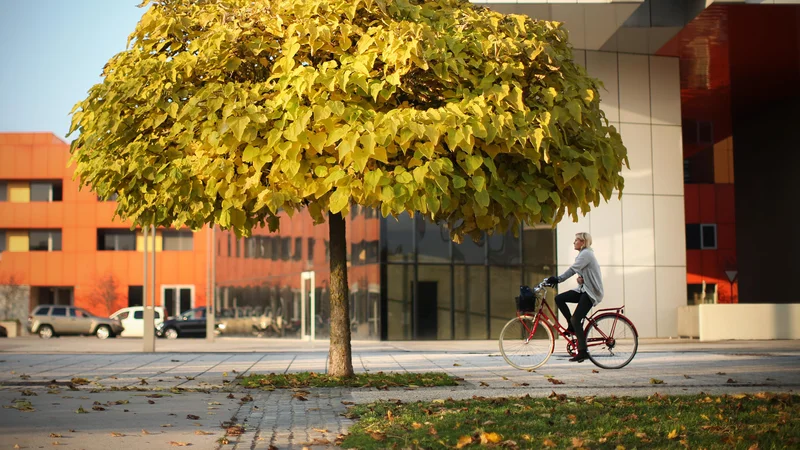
204, 385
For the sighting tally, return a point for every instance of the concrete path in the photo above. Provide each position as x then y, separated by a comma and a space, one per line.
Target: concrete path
203, 384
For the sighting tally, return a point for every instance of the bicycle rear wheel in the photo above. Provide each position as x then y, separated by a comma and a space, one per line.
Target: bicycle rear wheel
612, 341
521, 351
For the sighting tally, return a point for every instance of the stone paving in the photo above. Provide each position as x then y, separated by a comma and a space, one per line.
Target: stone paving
282, 419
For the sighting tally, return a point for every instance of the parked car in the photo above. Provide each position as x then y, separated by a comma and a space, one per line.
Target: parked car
59, 320
191, 323
132, 319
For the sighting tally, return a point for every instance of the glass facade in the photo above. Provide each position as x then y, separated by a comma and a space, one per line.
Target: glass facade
407, 279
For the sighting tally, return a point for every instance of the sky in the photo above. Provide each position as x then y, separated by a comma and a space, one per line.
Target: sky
52, 52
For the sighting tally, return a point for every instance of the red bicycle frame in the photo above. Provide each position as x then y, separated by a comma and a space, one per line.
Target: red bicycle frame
550, 320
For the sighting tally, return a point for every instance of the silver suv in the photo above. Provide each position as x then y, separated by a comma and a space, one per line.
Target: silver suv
56, 320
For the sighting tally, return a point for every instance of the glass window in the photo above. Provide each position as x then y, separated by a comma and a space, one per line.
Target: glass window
433, 307
310, 249
470, 252
470, 298
116, 239
238, 247
399, 238
709, 236
298, 249
504, 282
433, 242
72, 312
123, 315
538, 246
701, 293
400, 280
504, 249
3, 191
286, 250
44, 240
59, 312
229, 245
178, 240
41, 191
2, 240
157, 314
42, 311
138, 315
82, 312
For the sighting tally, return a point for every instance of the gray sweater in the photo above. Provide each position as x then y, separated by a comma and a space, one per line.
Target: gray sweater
586, 265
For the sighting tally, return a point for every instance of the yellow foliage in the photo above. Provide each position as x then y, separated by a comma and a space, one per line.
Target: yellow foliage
228, 111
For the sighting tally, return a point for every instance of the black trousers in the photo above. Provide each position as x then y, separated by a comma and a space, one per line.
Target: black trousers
584, 305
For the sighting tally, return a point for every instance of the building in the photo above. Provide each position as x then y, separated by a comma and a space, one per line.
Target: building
702, 92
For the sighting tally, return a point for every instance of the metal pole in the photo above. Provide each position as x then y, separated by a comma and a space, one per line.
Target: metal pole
149, 337
210, 286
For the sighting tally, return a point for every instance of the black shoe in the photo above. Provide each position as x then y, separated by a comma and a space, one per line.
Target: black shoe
570, 330
580, 357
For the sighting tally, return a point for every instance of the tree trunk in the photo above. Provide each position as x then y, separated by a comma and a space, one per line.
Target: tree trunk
340, 360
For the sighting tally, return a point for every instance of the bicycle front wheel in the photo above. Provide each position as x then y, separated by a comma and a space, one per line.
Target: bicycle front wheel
612, 341
520, 349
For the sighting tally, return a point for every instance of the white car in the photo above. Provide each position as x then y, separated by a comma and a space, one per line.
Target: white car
132, 319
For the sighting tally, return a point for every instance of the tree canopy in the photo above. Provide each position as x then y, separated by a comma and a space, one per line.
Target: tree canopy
228, 111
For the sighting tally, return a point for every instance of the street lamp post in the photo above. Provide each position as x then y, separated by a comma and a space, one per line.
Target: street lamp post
210, 286
149, 340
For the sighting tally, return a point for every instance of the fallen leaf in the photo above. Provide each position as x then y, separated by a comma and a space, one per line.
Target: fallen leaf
320, 430
731, 380
595, 371
55, 435
345, 402
192, 417
116, 434
202, 433
656, 381
456, 365
234, 430
555, 381
484, 383
80, 410
432, 431
166, 425
145, 431
378, 436
179, 444
548, 443
98, 408
490, 438
463, 441
687, 377
577, 442
673, 434
720, 373
246, 398
29, 393
416, 425
152, 402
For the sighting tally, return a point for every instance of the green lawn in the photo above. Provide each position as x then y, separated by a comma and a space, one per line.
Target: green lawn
760, 421
378, 380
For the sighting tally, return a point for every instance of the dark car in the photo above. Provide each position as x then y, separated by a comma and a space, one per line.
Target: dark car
191, 323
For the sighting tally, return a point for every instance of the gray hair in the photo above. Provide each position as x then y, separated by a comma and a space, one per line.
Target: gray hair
586, 238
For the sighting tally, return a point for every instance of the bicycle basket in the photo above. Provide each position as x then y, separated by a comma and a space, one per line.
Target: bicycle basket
526, 300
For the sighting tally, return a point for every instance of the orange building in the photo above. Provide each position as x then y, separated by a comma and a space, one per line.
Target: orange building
62, 245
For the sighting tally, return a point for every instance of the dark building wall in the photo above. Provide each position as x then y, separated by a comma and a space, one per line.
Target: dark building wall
765, 76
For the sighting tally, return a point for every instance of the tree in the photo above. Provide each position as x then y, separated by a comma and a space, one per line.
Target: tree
105, 293
228, 111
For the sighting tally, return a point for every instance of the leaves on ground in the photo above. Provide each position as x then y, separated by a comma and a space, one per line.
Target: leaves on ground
192, 417
79, 381
202, 433
21, 405
379, 380
80, 410
179, 444
234, 430
748, 421
656, 381
117, 434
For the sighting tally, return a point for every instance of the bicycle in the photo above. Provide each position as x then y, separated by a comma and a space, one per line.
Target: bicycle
611, 338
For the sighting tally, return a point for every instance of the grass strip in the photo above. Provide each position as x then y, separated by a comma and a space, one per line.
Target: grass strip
380, 380
759, 421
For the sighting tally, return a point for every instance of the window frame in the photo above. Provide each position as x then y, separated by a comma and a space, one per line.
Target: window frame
50, 240
182, 236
